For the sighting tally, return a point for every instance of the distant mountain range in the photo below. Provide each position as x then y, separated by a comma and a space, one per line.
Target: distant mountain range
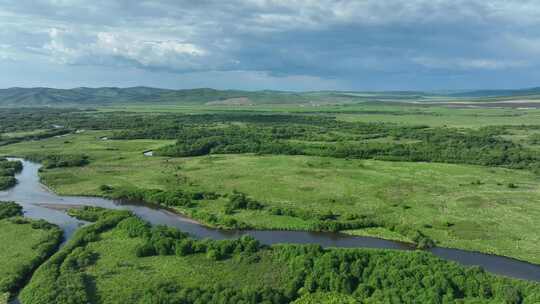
498, 93
103, 96
111, 95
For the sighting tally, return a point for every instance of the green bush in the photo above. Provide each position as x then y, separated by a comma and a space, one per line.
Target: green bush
8, 169
239, 200
9, 209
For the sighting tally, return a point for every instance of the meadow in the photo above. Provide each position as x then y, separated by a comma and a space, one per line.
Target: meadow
463, 206
464, 178
404, 114
25, 245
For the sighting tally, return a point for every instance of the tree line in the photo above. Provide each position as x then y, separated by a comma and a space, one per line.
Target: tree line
446, 145
50, 161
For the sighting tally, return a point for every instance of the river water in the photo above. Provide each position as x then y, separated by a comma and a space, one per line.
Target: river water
34, 197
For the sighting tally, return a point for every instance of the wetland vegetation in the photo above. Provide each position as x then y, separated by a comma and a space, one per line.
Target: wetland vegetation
305, 171
463, 178
8, 169
25, 245
120, 259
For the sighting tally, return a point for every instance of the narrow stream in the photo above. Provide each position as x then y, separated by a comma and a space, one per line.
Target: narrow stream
32, 195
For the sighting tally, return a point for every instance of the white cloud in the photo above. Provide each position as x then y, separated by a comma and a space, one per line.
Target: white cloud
105, 46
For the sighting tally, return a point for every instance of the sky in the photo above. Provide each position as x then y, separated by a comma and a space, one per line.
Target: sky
271, 44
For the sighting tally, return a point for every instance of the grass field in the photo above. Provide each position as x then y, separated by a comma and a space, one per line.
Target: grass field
466, 206
23, 248
370, 112
22, 134
462, 118
461, 206
118, 266
113, 162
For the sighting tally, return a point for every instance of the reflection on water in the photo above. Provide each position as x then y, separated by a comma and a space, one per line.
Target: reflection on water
29, 192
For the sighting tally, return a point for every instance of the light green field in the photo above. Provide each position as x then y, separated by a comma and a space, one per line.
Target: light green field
22, 133
118, 163
118, 266
400, 114
441, 116
489, 217
444, 201
453, 118
22, 248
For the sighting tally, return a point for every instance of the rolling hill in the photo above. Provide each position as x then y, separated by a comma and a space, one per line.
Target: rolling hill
109, 95
112, 95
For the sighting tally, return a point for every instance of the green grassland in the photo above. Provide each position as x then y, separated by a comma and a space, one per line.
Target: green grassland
22, 134
18, 249
365, 112
25, 244
101, 265
119, 266
112, 162
461, 206
452, 117
489, 216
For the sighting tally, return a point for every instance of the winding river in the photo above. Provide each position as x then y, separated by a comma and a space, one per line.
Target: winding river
38, 201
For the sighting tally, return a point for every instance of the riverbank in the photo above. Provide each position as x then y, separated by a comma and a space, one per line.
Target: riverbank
30, 190
134, 261
460, 206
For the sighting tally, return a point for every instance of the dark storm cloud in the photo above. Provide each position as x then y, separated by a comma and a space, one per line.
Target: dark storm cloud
352, 44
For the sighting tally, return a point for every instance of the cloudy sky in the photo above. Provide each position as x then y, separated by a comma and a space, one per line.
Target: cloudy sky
271, 44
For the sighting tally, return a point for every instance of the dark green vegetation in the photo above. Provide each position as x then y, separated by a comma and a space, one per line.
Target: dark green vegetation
121, 259
297, 135
51, 161
9, 209
25, 244
26, 136
8, 169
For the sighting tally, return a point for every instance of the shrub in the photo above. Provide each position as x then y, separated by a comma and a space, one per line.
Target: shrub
60, 160
9, 209
145, 250
239, 200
